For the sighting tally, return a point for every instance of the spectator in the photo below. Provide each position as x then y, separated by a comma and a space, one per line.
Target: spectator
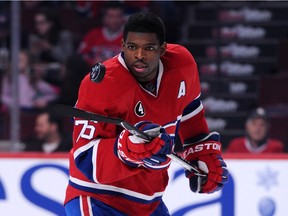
88, 8
48, 135
4, 35
34, 93
257, 138
104, 42
92, 9
50, 43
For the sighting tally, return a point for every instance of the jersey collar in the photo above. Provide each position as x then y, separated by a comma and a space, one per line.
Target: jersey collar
160, 73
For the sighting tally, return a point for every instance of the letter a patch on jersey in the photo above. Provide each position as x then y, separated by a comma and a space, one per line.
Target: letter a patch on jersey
182, 89
139, 109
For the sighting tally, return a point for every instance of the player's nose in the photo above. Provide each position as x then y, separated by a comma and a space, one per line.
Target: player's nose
140, 54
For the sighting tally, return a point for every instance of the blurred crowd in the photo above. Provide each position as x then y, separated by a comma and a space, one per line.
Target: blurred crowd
60, 42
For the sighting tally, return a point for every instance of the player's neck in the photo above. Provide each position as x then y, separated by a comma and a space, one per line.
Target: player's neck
150, 85
54, 138
257, 143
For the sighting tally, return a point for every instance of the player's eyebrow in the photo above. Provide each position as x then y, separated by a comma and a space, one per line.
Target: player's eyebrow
151, 44
146, 44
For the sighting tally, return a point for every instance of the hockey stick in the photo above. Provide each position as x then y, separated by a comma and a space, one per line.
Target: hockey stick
74, 112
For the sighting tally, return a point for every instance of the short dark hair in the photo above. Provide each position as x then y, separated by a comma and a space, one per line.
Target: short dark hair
145, 22
53, 118
112, 5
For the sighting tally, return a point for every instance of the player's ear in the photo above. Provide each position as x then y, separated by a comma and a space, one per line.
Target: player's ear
163, 48
122, 43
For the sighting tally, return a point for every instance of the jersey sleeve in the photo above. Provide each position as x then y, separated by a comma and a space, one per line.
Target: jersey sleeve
278, 146
193, 122
237, 145
93, 142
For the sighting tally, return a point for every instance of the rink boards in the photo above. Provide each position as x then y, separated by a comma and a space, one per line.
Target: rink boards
34, 184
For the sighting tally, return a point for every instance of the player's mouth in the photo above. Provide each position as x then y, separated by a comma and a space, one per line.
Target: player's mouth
139, 67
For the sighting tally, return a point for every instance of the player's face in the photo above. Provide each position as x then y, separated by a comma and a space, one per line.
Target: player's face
42, 24
42, 126
257, 129
142, 52
23, 61
114, 19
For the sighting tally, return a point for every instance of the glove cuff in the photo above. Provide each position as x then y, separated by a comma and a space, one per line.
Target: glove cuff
208, 147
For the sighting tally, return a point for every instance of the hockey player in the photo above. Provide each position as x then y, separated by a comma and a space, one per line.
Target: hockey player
155, 86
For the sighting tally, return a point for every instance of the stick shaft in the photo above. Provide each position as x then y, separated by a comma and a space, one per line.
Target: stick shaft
78, 113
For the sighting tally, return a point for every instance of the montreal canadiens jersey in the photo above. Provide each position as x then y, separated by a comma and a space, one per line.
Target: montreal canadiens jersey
243, 145
98, 47
95, 169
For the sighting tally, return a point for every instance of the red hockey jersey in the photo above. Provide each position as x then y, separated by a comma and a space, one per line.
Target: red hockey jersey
98, 47
95, 169
243, 145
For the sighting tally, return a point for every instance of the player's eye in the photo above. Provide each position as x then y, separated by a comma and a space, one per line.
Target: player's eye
150, 48
131, 47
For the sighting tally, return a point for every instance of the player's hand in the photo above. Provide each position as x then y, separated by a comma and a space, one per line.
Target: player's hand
134, 150
207, 156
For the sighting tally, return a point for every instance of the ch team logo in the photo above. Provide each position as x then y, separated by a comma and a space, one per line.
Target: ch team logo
139, 109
